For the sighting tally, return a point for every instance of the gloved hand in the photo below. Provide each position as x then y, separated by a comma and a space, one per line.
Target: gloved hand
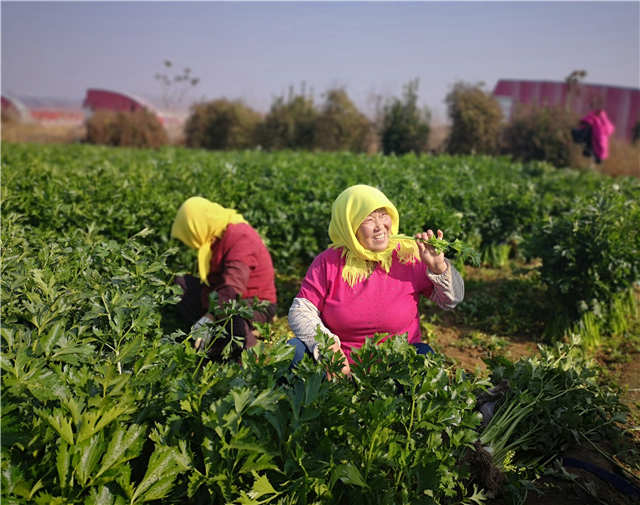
202, 341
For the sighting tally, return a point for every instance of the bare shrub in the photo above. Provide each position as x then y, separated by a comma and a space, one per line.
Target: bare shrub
9, 115
341, 126
221, 124
290, 123
476, 120
405, 127
540, 133
139, 128
438, 136
624, 159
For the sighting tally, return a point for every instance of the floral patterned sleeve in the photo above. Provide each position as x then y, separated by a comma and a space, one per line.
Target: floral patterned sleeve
448, 287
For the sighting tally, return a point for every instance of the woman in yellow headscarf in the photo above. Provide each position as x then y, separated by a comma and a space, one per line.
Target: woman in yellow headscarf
232, 262
370, 279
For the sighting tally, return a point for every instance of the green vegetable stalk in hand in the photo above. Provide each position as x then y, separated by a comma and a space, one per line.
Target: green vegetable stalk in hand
465, 251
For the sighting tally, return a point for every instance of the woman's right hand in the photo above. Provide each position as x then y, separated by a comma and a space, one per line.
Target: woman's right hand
434, 260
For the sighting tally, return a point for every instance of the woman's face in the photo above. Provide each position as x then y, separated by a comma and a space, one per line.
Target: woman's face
374, 232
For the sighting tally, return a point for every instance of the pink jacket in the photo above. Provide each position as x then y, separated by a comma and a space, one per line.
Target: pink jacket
601, 130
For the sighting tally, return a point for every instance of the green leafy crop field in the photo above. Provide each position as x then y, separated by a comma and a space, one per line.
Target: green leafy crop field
105, 401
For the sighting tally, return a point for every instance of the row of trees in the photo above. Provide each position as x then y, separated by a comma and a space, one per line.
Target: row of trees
477, 126
296, 122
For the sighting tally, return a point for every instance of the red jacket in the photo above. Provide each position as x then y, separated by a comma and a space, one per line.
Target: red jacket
240, 265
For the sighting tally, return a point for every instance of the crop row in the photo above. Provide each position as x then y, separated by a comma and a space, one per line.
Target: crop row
583, 225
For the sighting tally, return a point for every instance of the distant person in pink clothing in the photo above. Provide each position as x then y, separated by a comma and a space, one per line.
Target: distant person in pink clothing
370, 280
594, 132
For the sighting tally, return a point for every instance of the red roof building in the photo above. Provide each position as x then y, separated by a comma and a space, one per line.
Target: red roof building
15, 107
113, 100
622, 105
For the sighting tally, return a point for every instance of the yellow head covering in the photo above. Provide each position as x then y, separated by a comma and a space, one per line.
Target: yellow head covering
348, 211
198, 223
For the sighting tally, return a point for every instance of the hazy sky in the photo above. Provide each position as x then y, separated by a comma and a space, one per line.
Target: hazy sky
257, 50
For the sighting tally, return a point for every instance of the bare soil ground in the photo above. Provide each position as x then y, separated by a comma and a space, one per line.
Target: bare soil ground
37, 133
42, 134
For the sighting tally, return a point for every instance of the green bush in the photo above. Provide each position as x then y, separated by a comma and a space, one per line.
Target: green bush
540, 133
590, 254
221, 124
340, 125
405, 128
139, 128
290, 123
475, 120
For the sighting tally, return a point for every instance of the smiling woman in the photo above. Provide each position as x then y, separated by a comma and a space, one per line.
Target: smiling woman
370, 280
373, 232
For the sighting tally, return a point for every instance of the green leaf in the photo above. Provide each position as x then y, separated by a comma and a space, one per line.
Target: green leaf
122, 442
8, 336
312, 389
124, 480
112, 414
62, 463
101, 496
348, 474
74, 407
266, 400
51, 339
74, 354
158, 479
196, 479
60, 423
87, 425
89, 456
6, 365
158, 490
47, 499
261, 487
131, 349
241, 398
13, 482
258, 462
95, 421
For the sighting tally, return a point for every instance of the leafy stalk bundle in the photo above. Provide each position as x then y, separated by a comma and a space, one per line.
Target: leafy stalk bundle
551, 397
501, 439
464, 251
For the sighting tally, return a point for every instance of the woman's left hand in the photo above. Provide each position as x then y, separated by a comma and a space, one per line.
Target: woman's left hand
435, 262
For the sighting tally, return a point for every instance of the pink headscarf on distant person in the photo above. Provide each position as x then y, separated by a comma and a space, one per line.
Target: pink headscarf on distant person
601, 130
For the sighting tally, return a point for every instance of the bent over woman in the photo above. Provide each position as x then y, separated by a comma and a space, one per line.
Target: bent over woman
369, 280
233, 261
